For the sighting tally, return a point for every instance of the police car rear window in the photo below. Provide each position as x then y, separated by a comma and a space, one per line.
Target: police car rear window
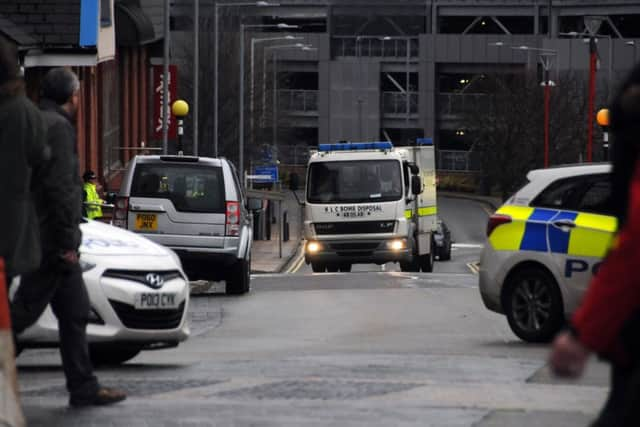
191, 188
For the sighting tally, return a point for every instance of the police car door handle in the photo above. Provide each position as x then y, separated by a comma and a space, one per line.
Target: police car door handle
563, 223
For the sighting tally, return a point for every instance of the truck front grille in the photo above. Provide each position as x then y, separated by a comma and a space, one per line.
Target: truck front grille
354, 246
354, 227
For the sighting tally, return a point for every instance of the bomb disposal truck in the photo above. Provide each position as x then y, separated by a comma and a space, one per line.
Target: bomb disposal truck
370, 203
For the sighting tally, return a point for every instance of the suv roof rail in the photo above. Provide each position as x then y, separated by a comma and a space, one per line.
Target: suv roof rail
191, 159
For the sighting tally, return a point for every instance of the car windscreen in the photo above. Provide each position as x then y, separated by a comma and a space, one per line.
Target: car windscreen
354, 181
191, 188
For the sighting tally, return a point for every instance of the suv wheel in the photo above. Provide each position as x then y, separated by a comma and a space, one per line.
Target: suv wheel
238, 282
533, 305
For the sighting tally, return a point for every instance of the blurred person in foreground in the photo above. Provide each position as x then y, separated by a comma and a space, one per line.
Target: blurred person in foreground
59, 281
608, 319
23, 149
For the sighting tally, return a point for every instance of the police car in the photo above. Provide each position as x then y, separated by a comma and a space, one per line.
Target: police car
139, 297
544, 244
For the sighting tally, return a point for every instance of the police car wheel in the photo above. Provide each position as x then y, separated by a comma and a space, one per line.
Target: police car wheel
533, 305
317, 267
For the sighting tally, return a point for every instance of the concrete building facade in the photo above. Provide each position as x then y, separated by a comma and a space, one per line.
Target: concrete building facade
402, 69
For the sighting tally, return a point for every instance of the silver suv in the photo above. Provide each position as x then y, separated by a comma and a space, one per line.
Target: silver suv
195, 206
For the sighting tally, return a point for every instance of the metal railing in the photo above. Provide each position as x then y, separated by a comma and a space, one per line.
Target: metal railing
298, 100
457, 160
456, 104
374, 47
396, 103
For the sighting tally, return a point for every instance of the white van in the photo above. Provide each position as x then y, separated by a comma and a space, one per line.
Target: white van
370, 203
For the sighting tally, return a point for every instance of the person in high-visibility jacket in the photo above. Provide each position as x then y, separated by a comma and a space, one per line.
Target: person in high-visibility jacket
92, 200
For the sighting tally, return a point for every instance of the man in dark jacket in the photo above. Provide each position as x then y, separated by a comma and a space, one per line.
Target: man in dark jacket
59, 279
22, 150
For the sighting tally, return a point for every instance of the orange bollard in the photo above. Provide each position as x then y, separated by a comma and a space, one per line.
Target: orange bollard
10, 410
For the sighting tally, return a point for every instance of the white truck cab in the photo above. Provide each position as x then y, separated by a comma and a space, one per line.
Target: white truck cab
370, 203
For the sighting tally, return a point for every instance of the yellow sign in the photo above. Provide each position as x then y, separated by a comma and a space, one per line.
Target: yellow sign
147, 222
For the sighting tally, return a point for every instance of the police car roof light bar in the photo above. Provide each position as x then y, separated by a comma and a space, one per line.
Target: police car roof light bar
424, 141
351, 146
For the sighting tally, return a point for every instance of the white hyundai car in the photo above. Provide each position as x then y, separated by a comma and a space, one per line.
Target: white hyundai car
139, 297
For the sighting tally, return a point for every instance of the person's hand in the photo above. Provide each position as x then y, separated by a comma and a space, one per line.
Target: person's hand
70, 257
568, 356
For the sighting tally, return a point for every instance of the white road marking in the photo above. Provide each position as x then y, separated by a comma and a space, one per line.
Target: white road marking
467, 245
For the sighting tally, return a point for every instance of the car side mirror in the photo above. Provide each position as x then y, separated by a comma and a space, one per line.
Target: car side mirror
294, 181
416, 185
254, 204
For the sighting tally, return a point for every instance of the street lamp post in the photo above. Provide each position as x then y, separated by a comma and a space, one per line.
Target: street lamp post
243, 27
216, 67
275, 86
545, 59
592, 25
264, 74
603, 120
254, 41
196, 70
180, 109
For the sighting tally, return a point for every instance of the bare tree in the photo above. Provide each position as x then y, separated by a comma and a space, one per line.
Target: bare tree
509, 126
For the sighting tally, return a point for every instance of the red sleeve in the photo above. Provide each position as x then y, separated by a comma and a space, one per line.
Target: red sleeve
614, 292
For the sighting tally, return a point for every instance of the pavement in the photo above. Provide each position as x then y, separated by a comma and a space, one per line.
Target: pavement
267, 255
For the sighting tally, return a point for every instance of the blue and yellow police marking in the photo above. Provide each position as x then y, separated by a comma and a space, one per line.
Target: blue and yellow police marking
508, 237
531, 229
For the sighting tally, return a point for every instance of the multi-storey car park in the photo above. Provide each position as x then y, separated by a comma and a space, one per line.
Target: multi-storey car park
367, 55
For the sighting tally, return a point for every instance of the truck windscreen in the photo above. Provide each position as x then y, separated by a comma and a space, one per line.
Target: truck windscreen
358, 181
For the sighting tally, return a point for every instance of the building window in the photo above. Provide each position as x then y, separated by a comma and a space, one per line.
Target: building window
105, 13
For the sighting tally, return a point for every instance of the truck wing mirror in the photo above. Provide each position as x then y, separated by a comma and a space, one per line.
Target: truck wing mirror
416, 185
413, 168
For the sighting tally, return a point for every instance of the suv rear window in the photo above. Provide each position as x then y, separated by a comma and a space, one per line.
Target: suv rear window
190, 188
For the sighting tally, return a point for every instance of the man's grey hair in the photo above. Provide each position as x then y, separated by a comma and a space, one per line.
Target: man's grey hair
59, 84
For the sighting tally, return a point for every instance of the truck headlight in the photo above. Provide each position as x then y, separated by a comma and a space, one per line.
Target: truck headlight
313, 247
397, 244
